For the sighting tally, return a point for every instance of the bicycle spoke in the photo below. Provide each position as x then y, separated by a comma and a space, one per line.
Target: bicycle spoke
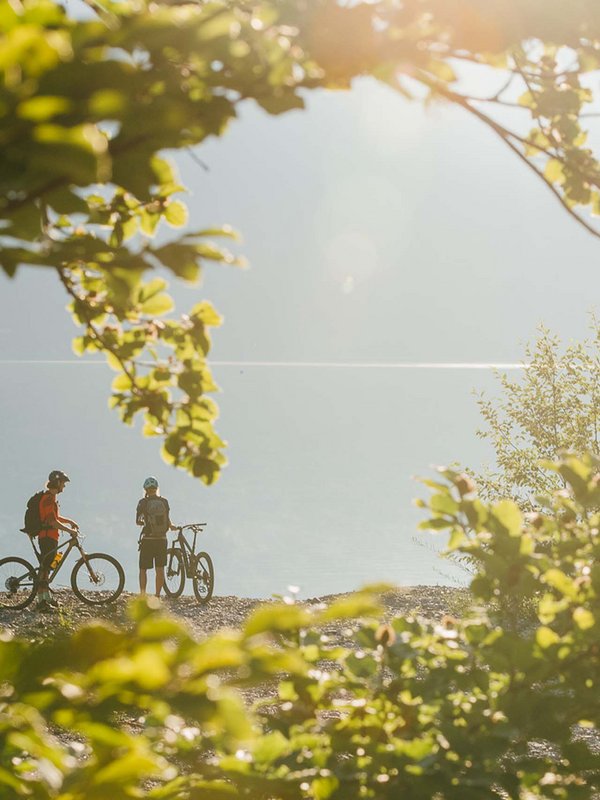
17, 583
203, 578
97, 578
174, 573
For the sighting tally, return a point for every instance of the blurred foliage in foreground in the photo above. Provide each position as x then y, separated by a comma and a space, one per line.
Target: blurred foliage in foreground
412, 709
554, 407
93, 94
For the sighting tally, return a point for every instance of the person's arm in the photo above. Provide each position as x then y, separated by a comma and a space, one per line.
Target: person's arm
139, 514
171, 526
67, 521
52, 521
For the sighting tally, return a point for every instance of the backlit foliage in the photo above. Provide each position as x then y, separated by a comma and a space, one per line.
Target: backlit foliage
94, 95
553, 407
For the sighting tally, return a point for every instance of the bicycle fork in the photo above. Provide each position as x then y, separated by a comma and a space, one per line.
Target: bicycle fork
92, 574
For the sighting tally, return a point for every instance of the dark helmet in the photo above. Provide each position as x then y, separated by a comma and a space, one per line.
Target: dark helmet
58, 475
151, 483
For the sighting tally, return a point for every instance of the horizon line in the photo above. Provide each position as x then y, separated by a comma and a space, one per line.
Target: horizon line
301, 364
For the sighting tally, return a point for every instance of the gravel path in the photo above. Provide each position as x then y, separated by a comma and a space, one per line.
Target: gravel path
220, 612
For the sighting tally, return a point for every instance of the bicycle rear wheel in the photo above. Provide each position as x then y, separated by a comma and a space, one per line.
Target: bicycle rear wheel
97, 579
18, 583
203, 577
174, 573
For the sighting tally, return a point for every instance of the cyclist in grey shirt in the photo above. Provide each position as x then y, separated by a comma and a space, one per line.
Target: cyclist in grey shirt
153, 514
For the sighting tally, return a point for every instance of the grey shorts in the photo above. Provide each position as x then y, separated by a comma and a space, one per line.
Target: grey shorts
153, 552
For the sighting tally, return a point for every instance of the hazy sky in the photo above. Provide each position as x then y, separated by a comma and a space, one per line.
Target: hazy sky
377, 233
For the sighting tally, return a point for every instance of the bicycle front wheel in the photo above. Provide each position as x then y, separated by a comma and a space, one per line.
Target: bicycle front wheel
97, 578
174, 573
18, 583
203, 577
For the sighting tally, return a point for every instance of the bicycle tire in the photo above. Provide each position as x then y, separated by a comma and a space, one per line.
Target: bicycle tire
203, 583
97, 596
13, 580
177, 576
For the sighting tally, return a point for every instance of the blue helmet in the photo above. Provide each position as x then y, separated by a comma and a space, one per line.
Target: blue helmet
150, 483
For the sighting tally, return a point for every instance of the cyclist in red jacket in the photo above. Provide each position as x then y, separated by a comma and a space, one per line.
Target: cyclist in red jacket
52, 523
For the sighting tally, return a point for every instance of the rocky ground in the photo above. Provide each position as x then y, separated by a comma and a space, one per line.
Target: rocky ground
221, 612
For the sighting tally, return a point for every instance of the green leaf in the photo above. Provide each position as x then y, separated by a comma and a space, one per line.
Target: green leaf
270, 747
121, 383
358, 604
509, 516
561, 582
457, 538
546, 637
149, 222
43, 107
205, 313
583, 618
275, 618
157, 305
224, 231
176, 214
554, 172
435, 524
164, 170
324, 788
443, 503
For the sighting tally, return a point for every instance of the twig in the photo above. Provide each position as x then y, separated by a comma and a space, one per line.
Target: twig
198, 161
95, 332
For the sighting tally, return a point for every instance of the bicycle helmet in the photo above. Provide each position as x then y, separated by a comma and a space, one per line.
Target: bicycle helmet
58, 475
150, 483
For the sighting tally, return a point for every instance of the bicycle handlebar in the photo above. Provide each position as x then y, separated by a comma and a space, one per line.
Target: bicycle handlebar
193, 526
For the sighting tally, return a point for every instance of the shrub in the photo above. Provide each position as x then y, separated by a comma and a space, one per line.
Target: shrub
418, 709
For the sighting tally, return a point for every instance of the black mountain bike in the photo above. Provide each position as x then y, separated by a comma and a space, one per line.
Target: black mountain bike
96, 578
183, 561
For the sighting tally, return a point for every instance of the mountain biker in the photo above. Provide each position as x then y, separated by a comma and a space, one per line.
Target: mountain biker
153, 513
52, 523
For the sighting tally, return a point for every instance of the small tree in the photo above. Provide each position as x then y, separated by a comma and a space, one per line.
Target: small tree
554, 407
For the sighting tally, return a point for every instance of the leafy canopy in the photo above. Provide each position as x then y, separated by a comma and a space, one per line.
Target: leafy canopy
91, 102
491, 705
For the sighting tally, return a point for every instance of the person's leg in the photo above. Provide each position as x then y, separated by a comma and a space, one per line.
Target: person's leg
160, 580
160, 559
145, 565
47, 552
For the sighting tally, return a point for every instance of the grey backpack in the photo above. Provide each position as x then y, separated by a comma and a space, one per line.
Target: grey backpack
156, 516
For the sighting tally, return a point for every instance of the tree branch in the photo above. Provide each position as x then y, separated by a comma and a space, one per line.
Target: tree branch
506, 136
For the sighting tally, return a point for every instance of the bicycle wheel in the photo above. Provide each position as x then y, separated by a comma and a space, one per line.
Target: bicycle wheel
97, 579
18, 583
203, 577
174, 573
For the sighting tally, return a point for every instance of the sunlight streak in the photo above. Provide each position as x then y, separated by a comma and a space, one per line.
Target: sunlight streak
305, 364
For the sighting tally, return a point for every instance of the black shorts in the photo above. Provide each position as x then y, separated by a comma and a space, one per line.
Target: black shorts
48, 548
153, 553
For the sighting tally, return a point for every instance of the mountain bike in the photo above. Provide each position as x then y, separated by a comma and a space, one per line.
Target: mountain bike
183, 561
96, 578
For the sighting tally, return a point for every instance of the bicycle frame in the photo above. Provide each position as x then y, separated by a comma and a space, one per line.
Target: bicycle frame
71, 543
188, 552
